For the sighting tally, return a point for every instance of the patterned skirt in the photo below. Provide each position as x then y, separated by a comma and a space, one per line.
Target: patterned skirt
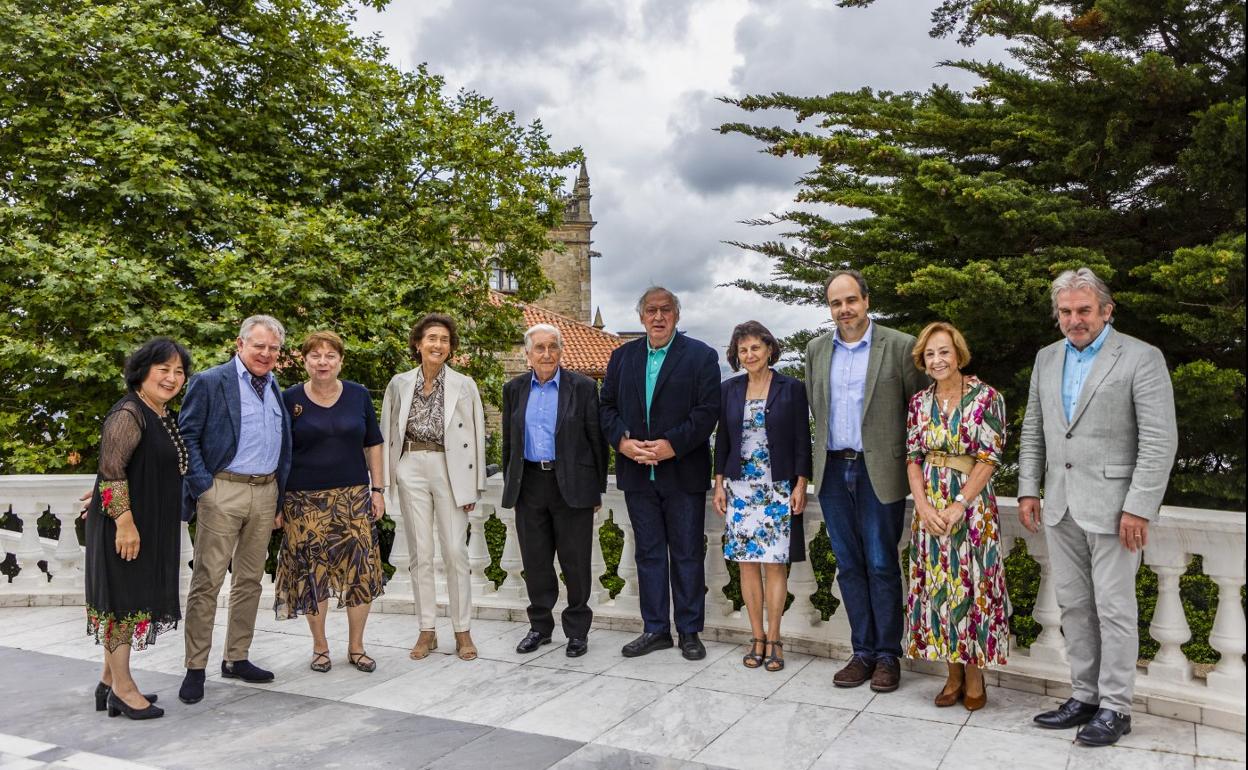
328, 549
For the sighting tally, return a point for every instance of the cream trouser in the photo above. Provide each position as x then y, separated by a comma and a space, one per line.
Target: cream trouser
426, 500
234, 522
1095, 581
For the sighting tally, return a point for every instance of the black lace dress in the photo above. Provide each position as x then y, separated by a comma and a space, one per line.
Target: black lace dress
142, 459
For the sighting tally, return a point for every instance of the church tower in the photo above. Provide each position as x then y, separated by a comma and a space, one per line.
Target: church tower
569, 271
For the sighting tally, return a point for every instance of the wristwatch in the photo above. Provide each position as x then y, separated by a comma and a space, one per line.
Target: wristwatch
378, 490
960, 498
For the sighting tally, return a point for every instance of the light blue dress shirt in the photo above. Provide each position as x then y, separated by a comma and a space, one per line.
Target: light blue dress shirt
847, 380
260, 430
1075, 371
539, 419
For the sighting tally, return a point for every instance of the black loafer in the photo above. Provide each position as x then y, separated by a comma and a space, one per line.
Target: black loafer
1105, 728
245, 670
1070, 714
192, 689
691, 647
576, 648
646, 644
531, 642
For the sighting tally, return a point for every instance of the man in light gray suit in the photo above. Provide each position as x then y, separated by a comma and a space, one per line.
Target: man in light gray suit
860, 377
1100, 435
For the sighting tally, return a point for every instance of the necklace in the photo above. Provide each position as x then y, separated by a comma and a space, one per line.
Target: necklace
171, 429
944, 402
766, 386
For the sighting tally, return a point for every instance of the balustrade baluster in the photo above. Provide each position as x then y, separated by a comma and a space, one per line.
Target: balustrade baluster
511, 561
627, 598
68, 559
400, 584
479, 550
1225, 566
717, 576
802, 583
29, 550
1166, 557
185, 557
1049, 645
598, 594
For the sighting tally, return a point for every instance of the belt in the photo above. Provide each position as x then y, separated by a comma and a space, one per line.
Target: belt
254, 479
844, 454
540, 465
960, 463
423, 446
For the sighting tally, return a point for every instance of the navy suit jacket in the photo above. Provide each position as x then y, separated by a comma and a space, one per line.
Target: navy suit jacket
788, 428
210, 422
683, 411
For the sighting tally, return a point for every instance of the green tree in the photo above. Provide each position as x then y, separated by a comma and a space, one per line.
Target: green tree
1113, 138
172, 166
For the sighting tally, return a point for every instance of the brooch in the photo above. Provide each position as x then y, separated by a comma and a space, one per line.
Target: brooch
298, 410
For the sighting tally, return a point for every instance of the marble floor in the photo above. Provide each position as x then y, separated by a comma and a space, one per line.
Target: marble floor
525, 711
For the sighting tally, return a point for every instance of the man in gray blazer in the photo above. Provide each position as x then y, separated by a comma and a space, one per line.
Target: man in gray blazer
860, 377
1100, 435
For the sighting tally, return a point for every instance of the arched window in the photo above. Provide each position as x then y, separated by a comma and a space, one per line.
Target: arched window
502, 280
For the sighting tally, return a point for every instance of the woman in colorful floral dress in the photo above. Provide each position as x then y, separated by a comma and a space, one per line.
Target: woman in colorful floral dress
956, 609
133, 524
762, 462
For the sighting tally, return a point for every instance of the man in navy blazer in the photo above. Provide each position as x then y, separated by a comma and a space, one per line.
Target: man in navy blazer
659, 404
237, 435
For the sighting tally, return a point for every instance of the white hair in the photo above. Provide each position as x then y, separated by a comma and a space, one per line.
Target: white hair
1083, 278
641, 301
268, 322
536, 329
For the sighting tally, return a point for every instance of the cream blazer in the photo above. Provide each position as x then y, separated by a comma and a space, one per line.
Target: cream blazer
463, 434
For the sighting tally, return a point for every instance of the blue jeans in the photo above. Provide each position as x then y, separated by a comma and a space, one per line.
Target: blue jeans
864, 534
668, 533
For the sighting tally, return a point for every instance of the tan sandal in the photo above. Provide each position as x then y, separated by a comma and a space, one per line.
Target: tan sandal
464, 648
425, 643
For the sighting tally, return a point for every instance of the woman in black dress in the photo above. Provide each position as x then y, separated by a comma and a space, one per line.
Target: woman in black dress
133, 523
333, 497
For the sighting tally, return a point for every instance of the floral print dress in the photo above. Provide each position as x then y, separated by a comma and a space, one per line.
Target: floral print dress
957, 608
759, 519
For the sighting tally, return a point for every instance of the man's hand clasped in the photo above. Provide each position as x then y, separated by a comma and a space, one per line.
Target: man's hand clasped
647, 452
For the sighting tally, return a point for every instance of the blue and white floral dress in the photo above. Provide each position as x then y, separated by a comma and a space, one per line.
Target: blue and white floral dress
759, 518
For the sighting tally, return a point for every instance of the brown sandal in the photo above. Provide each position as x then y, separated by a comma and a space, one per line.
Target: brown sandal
464, 648
362, 662
321, 662
754, 659
425, 643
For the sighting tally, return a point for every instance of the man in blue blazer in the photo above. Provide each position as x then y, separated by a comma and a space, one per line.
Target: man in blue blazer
659, 403
237, 435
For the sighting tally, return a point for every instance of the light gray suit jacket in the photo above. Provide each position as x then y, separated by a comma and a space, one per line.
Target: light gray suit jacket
891, 380
1115, 454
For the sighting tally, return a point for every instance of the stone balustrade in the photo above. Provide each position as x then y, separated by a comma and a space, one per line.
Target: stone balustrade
1169, 685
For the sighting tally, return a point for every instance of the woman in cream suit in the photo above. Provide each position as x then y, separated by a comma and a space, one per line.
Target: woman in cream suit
434, 430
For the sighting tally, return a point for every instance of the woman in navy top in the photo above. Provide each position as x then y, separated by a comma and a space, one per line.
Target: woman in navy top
762, 462
333, 497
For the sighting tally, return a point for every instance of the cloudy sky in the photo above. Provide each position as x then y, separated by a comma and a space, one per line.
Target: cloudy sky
635, 84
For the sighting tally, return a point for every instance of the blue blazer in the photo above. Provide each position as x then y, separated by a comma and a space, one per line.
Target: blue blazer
683, 411
209, 422
788, 428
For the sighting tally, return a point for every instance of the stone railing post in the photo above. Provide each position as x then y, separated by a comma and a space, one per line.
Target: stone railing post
627, 599
400, 556
1225, 566
802, 582
1049, 645
597, 562
1166, 557
716, 566
479, 550
69, 558
29, 550
511, 561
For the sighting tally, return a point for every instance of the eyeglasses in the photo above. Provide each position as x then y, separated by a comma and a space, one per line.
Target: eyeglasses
659, 310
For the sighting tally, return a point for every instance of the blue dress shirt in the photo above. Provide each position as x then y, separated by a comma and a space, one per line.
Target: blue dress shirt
260, 429
847, 380
539, 419
1075, 371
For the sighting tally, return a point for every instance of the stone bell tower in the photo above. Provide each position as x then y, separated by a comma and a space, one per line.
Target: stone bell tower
569, 271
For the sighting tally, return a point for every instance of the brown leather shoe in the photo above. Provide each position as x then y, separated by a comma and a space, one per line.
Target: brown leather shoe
950, 695
857, 672
887, 676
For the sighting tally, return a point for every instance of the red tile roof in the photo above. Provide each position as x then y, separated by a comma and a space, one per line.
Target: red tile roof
585, 348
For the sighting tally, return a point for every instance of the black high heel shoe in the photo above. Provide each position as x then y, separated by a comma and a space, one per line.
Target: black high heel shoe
117, 707
101, 696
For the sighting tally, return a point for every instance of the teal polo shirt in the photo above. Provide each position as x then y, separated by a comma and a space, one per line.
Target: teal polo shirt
654, 363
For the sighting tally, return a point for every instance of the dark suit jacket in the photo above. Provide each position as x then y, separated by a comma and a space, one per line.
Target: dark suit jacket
788, 428
580, 450
683, 411
209, 422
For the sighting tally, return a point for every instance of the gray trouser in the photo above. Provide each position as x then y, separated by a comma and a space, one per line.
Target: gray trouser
1095, 581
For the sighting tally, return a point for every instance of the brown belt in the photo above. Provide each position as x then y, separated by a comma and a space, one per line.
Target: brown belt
960, 463
253, 479
423, 446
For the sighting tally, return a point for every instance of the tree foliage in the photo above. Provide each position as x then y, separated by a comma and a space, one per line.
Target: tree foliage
172, 167
1113, 138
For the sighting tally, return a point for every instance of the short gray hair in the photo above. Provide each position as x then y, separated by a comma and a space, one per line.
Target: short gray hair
268, 322
1083, 278
537, 329
641, 301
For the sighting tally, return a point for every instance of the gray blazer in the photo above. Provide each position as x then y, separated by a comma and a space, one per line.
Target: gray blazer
891, 380
1116, 453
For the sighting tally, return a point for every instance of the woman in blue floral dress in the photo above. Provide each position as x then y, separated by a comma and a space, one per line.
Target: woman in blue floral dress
762, 462
957, 606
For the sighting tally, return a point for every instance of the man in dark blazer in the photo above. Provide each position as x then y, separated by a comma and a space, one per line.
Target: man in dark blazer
554, 474
237, 435
660, 401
